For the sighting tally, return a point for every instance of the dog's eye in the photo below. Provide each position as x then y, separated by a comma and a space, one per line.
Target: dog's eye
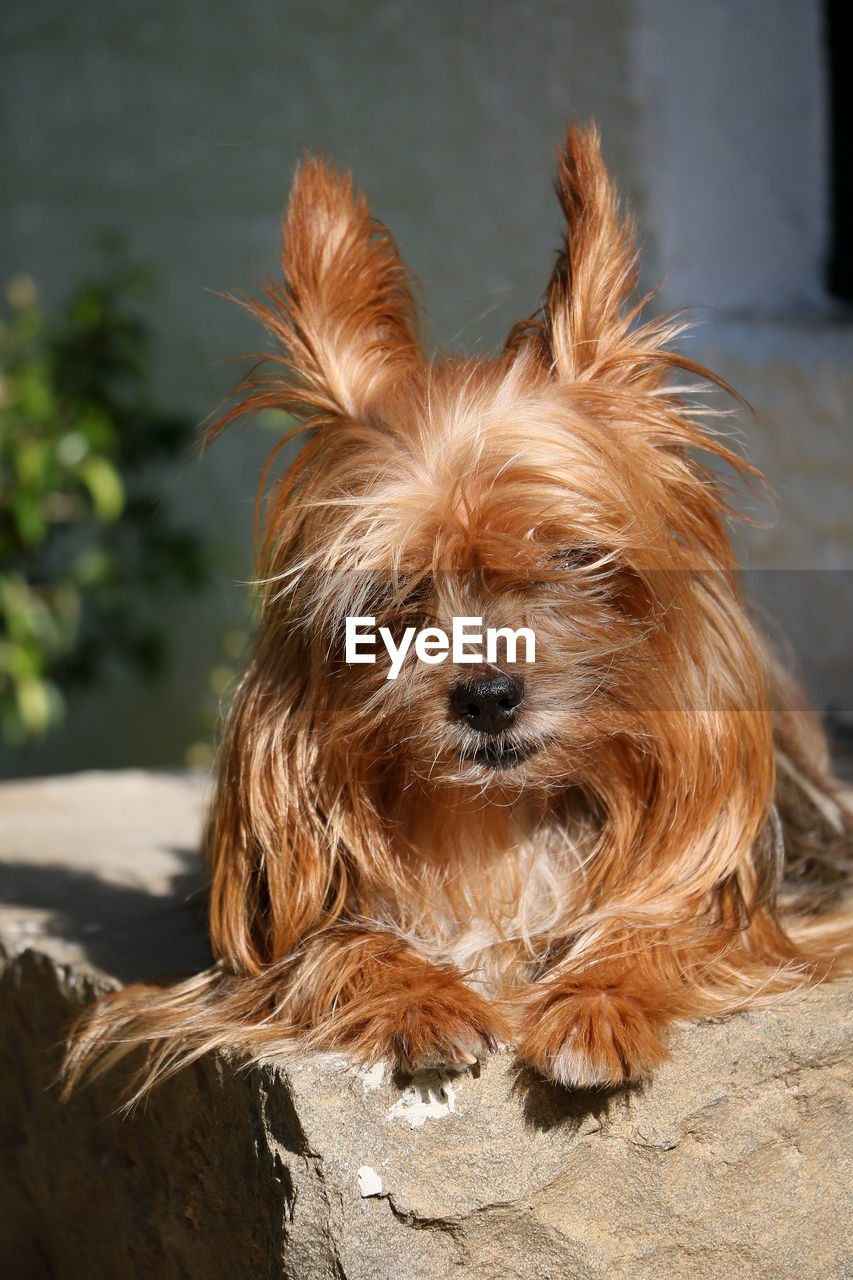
568, 560
579, 557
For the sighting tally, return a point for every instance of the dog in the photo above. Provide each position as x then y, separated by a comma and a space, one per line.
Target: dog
564, 854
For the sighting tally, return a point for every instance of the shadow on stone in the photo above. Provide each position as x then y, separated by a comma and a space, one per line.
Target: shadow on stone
130, 933
546, 1105
403, 1078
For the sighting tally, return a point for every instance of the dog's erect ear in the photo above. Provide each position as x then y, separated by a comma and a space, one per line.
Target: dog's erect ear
583, 330
345, 319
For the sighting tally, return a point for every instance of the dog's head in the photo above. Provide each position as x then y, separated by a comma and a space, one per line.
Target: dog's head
554, 488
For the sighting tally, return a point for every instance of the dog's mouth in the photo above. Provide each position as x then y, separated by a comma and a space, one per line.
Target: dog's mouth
502, 755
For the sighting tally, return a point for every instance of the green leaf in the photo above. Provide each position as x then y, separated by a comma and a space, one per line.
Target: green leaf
33, 392
17, 661
32, 459
97, 428
105, 487
29, 518
39, 704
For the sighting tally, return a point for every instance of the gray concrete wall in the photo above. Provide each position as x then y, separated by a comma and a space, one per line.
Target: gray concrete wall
178, 125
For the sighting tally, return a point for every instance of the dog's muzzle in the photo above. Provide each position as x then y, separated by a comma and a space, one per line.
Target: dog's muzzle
488, 704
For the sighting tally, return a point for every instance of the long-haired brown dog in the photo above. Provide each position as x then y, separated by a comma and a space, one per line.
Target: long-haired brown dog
563, 855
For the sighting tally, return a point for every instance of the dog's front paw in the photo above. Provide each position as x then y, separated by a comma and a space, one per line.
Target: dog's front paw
591, 1037
414, 1014
442, 1027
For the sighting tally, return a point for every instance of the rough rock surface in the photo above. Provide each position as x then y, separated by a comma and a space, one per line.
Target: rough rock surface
736, 1161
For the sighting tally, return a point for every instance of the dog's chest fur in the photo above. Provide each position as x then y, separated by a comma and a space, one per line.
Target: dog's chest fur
486, 886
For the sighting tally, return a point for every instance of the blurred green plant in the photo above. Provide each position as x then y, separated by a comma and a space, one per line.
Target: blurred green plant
222, 682
85, 548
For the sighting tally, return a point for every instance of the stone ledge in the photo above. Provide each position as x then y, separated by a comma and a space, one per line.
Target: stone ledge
736, 1161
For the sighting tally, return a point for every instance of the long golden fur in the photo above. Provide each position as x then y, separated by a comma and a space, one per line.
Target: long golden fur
639, 837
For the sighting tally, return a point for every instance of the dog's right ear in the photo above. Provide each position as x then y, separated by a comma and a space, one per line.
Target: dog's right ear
345, 321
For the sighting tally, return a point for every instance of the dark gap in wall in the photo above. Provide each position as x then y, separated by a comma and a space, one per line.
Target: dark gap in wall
839, 43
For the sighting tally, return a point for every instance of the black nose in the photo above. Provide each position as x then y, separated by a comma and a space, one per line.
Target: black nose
488, 704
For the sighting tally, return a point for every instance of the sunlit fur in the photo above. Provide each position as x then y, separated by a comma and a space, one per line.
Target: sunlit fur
614, 860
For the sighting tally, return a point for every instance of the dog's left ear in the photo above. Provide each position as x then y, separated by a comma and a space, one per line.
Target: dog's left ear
345, 321
584, 329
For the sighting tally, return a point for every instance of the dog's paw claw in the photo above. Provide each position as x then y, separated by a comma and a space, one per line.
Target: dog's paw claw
445, 1029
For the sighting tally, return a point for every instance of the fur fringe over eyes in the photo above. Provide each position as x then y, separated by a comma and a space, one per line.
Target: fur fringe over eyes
638, 827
